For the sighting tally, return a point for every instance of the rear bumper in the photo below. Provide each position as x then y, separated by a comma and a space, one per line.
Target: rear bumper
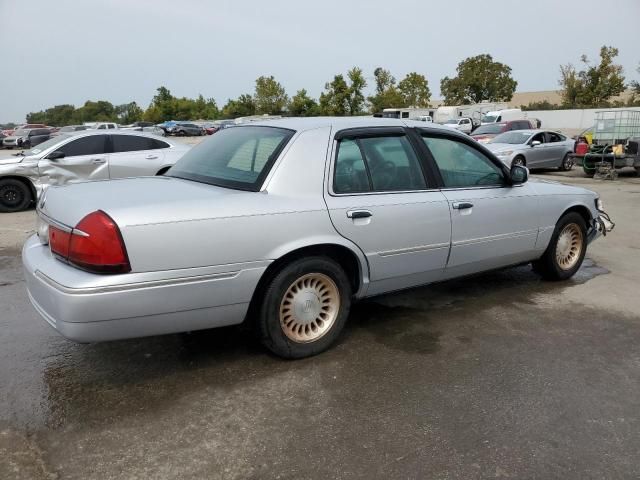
98, 312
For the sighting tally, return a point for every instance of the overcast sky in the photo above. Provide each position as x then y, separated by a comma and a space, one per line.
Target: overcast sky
68, 51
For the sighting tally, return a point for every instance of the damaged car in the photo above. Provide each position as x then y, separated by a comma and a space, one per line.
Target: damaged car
82, 156
285, 223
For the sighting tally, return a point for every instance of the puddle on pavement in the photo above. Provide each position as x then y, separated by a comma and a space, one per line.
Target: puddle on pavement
81, 383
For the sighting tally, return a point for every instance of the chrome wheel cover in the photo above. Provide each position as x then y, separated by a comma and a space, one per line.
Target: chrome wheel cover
309, 308
569, 246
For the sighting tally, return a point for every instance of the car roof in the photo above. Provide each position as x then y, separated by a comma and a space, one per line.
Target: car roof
133, 133
341, 123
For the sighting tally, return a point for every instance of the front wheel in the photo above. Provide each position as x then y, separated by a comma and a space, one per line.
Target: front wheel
305, 307
565, 253
14, 195
518, 161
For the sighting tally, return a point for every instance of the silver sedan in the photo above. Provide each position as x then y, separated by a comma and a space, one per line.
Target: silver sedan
534, 149
81, 156
285, 223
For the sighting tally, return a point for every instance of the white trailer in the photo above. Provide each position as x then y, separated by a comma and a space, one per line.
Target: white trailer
409, 113
475, 111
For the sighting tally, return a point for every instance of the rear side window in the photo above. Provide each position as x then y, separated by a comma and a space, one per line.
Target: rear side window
91, 145
377, 164
132, 143
461, 165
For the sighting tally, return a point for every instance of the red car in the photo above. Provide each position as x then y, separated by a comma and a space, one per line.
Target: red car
484, 133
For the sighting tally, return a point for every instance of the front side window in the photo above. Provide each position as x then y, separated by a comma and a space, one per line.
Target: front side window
91, 145
461, 165
377, 164
238, 157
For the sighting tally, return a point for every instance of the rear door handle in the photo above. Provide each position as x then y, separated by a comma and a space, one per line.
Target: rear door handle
151, 157
98, 161
359, 214
462, 205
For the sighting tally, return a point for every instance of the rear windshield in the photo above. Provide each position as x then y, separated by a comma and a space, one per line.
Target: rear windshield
495, 128
237, 157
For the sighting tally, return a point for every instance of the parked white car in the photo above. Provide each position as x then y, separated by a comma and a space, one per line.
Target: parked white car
463, 124
82, 156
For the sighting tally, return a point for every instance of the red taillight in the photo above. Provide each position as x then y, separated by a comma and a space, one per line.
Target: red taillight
59, 241
95, 244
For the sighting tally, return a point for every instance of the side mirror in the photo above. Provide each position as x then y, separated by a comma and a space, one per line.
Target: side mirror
55, 155
536, 143
518, 174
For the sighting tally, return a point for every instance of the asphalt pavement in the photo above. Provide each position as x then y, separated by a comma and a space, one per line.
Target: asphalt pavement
501, 375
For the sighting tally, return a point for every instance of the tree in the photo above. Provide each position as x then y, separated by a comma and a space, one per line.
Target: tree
128, 113
243, 106
59, 116
479, 78
387, 94
99, 111
414, 89
357, 83
384, 79
163, 106
302, 105
270, 97
334, 100
594, 85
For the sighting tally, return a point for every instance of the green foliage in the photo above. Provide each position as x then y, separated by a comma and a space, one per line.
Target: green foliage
243, 106
302, 105
594, 85
414, 89
100, 111
479, 78
341, 98
128, 113
270, 97
60, 115
541, 105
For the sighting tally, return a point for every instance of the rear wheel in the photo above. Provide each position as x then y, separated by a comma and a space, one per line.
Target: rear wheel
519, 160
565, 253
14, 195
305, 307
567, 163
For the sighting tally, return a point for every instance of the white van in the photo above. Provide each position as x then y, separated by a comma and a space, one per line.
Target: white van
502, 116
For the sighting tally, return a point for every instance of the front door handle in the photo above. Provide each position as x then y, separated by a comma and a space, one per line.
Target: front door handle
98, 161
151, 157
359, 214
462, 205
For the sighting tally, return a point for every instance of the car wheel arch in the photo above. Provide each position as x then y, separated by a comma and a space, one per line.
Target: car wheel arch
582, 210
346, 257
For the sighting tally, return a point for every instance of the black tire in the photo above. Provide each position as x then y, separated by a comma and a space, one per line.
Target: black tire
272, 331
547, 265
14, 195
567, 164
519, 160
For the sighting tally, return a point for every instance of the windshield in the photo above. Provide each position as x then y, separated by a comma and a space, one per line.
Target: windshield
515, 137
21, 132
235, 157
489, 118
451, 122
483, 129
41, 147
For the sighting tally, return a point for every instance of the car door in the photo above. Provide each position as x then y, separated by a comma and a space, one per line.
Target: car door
380, 198
135, 155
493, 224
554, 149
536, 155
85, 158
